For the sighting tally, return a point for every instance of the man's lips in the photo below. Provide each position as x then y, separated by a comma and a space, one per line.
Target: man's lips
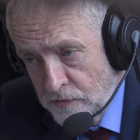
62, 103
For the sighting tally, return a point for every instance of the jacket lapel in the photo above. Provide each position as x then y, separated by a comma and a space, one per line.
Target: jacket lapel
55, 131
131, 109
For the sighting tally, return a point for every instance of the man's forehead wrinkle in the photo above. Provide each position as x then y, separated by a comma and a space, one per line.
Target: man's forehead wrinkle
27, 23
62, 25
18, 29
23, 37
45, 21
24, 42
42, 35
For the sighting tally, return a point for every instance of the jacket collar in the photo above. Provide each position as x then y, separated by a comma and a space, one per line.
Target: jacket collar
55, 131
131, 108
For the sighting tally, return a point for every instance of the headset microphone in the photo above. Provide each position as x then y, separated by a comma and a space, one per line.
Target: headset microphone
121, 33
80, 123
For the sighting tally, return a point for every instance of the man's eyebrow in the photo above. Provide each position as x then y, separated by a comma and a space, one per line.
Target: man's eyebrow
59, 45
22, 50
67, 44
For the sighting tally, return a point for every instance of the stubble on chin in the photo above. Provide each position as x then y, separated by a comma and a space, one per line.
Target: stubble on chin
90, 101
84, 102
79, 104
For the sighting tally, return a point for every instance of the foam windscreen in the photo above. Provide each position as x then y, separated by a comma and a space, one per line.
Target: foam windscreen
77, 124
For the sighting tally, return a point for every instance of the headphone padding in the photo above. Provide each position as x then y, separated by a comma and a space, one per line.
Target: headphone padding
105, 27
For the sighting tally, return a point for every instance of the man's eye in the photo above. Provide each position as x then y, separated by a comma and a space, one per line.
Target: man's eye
68, 53
30, 60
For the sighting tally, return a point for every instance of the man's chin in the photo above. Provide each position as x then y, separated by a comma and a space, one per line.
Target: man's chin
61, 114
59, 119
59, 111
62, 110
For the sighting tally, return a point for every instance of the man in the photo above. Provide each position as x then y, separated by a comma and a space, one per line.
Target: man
61, 44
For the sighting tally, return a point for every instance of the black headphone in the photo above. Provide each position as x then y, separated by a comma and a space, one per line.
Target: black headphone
16, 63
117, 29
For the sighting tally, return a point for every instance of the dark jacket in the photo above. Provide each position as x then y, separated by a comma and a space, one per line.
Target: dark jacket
23, 118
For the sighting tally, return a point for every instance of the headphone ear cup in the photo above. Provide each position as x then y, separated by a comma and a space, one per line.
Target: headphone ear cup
105, 27
117, 30
15, 62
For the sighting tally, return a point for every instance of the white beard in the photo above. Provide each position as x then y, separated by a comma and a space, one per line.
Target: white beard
84, 102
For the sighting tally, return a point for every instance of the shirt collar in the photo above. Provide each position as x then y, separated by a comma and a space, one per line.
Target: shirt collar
112, 117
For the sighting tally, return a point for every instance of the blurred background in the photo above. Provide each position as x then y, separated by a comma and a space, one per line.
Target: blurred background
6, 71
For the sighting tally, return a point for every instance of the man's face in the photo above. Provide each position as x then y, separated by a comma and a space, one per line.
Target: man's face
65, 61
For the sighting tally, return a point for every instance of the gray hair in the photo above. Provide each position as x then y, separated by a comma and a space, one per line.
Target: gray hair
93, 11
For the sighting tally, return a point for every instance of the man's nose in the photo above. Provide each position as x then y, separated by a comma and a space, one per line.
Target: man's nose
55, 77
